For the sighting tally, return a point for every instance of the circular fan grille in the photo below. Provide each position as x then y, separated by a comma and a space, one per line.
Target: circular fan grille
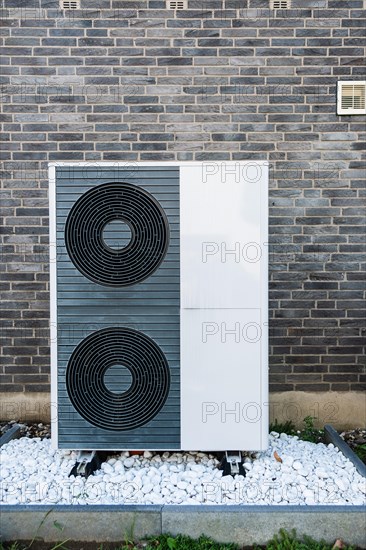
118, 411
97, 208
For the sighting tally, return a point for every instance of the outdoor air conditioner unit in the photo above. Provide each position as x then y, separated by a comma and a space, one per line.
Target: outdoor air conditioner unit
159, 312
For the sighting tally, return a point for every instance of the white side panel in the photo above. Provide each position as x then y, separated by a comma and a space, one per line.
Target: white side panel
221, 240
221, 379
224, 306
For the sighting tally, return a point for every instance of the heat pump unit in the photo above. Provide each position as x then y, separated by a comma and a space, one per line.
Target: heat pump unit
159, 311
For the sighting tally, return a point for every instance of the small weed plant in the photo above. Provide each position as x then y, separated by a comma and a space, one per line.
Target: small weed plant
308, 433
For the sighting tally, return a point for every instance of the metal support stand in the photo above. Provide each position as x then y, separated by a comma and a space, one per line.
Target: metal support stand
232, 464
87, 463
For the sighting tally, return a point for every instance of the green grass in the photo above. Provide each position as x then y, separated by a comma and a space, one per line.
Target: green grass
289, 541
163, 542
181, 542
10, 546
282, 541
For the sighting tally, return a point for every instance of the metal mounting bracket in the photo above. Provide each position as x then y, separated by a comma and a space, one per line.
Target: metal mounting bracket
232, 464
234, 459
86, 463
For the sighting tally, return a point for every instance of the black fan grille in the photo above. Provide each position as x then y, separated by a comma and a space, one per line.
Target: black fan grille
93, 211
150, 379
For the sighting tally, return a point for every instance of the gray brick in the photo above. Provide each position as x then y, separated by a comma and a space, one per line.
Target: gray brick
66, 61
94, 41
98, 61
22, 52
62, 32
62, 41
149, 146
192, 52
175, 61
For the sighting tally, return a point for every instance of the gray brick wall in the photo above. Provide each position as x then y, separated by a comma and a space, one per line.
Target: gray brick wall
224, 80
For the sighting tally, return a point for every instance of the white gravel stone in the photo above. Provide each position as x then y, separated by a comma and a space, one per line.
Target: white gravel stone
107, 468
129, 462
33, 473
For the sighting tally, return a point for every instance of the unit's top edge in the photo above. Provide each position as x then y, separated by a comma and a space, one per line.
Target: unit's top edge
158, 163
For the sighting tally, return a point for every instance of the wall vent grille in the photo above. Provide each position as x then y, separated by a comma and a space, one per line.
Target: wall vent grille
280, 4
70, 4
177, 4
351, 98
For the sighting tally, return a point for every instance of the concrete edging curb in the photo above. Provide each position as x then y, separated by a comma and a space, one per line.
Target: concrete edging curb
12, 433
243, 524
332, 436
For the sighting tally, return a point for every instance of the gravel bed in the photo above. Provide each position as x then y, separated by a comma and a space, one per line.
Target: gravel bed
28, 430
291, 471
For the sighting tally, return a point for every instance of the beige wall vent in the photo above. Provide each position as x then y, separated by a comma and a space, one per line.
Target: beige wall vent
351, 97
176, 4
280, 4
70, 4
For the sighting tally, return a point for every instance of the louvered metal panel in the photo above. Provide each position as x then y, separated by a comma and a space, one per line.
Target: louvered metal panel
135, 314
